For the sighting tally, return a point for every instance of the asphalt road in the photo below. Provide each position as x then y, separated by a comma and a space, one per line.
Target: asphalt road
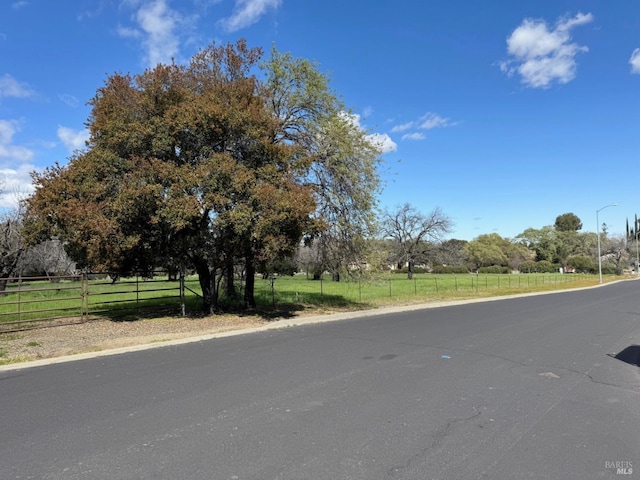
512, 389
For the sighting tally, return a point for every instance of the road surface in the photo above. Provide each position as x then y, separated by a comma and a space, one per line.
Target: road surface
512, 389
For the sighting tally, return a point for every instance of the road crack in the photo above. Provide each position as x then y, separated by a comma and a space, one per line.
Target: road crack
437, 439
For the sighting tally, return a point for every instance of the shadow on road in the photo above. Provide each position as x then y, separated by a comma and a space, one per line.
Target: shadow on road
630, 355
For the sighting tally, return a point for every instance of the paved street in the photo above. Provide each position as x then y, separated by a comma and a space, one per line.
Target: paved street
512, 389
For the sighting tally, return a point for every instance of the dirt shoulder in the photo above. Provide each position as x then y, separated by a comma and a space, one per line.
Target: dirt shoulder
102, 335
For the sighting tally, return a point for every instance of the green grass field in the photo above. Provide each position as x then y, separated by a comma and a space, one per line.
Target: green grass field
396, 288
44, 300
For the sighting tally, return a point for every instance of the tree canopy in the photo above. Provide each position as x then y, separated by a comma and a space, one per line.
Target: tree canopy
492, 249
568, 222
206, 165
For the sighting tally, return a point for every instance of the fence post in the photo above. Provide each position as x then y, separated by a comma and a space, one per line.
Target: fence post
19, 298
415, 286
84, 308
183, 307
360, 289
436, 279
273, 290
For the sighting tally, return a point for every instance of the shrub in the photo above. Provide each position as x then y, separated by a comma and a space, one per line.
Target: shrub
582, 264
405, 270
493, 269
449, 269
543, 266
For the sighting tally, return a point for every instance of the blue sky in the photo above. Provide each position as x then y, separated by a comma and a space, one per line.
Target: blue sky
504, 114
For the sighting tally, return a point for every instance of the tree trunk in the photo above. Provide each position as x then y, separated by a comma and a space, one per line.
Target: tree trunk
8, 267
229, 281
410, 270
250, 282
207, 279
317, 273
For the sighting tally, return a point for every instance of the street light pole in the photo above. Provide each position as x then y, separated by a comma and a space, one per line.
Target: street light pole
637, 255
598, 224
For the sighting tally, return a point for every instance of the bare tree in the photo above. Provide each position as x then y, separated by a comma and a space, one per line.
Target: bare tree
48, 258
617, 254
11, 245
410, 229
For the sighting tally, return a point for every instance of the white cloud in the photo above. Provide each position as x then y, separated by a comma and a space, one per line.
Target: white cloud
70, 100
383, 142
10, 87
15, 185
127, 32
414, 136
402, 128
432, 120
15, 167
428, 121
73, 140
635, 61
8, 129
248, 12
157, 29
14, 153
542, 56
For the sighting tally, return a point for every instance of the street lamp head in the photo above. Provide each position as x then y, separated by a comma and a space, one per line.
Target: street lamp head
607, 206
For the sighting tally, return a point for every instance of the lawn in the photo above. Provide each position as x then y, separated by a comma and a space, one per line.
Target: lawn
396, 288
70, 298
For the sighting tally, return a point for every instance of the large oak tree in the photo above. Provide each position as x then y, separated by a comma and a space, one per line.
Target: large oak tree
200, 166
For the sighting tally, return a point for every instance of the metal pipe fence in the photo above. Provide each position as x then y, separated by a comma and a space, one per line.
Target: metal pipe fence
47, 301
33, 302
289, 290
